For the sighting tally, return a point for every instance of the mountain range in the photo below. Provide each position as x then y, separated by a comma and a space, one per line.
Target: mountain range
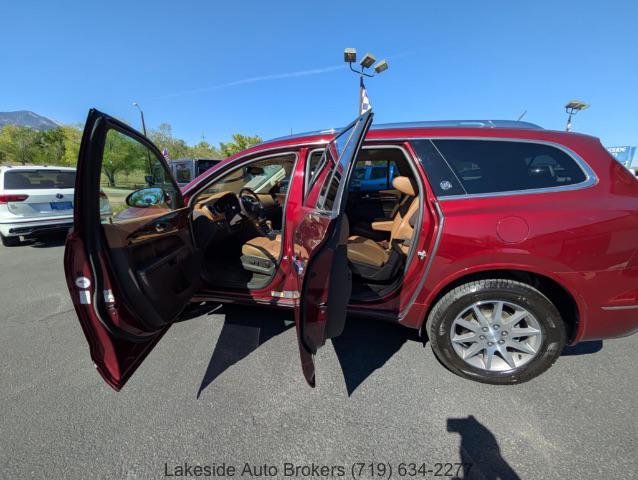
24, 118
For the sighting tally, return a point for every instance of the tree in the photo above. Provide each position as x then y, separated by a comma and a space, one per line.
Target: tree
204, 150
19, 144
122, 154
240, 142
72, 140
163, 138
50, 147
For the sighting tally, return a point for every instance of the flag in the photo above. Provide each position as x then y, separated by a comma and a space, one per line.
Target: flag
165, 153
364, 101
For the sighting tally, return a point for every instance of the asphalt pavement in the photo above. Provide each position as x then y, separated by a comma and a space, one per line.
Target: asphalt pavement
225, 389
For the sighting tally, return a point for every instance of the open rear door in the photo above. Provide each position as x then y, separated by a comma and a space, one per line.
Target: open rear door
129, 261
320, 243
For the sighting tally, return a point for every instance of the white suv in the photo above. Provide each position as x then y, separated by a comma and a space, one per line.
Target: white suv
37, 199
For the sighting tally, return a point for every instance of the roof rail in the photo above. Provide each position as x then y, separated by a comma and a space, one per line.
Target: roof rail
514, 124
459, 123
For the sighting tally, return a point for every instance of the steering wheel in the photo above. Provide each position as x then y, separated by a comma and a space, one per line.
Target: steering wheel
251, 206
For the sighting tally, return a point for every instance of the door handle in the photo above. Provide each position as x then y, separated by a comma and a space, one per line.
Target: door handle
160, 227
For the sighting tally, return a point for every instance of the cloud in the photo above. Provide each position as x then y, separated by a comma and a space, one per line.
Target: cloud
262, 78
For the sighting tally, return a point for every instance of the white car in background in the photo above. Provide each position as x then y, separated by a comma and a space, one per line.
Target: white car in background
37, 200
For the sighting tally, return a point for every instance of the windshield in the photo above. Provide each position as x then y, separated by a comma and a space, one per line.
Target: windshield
38, 179
269, 175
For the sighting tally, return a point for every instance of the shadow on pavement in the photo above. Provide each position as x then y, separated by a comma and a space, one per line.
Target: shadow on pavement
362, 348
479, 451
46, 240
584, 348
244, 330
366, 346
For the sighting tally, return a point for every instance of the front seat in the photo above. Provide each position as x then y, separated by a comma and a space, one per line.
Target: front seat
379, 262
259, 255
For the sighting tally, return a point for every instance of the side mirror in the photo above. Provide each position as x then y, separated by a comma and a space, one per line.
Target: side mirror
146, 197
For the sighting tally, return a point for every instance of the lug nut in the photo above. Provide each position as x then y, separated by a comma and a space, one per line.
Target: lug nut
482, 337
496, 327
504, 333
489, 344
501, 342
485, 329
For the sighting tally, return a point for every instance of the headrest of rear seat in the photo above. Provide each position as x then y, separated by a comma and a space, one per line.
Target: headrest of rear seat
403, 185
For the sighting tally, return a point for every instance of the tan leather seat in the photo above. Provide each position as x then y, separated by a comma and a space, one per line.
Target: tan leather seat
366, 251
263, 247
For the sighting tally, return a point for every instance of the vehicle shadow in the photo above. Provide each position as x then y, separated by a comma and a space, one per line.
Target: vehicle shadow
46, 240
361, 349
479, 451
584, 348
244, 330
366, 346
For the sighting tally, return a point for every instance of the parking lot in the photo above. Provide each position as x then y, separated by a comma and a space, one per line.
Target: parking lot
226, 387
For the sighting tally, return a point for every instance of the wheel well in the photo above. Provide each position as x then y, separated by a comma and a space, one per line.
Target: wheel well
557, 294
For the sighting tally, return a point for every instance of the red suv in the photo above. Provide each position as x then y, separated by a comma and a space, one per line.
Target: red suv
499, 240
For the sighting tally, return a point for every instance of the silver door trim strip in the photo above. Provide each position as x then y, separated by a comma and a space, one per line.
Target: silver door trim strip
621, 307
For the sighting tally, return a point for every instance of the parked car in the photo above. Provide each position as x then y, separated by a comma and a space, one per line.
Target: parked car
503, 243
373, 177
186, 169
36, 199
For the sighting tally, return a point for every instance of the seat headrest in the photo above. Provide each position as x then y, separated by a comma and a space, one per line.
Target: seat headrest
403, 185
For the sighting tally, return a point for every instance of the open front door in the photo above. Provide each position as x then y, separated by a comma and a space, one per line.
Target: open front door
129, 261
320, 244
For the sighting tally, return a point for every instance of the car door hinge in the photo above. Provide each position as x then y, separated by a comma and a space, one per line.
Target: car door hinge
421, 254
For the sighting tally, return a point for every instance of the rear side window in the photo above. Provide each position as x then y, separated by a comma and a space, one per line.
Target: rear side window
499, 166
489, 166
38, 179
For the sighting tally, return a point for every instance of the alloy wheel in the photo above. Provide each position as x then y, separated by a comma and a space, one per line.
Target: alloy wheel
496, 335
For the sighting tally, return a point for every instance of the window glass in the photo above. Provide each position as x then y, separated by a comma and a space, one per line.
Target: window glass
268, 175
343, 154
373, 175
35, 179
500, 166
313, 163
441, 177
182, 173
128, 166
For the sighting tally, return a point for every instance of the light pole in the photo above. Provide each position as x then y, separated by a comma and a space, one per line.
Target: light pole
137, 105
350, 57
148, 153
572, 108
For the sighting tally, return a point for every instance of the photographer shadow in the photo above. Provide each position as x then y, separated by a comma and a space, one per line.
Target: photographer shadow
479, 451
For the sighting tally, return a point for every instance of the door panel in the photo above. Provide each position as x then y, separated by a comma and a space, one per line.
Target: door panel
130, 275
320, 247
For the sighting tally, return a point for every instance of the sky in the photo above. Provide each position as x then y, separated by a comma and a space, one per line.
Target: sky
267, 68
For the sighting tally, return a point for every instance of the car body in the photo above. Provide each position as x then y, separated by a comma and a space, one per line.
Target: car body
503, 242
35, 199
186, 169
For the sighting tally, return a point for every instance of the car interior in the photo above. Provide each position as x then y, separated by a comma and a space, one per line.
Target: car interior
237, 221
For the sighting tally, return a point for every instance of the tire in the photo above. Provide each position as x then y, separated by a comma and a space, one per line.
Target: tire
457, 309
10, 241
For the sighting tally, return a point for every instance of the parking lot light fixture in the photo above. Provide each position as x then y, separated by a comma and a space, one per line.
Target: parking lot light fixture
137, 105
350, 55
382, 66
368, 60
572, 108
